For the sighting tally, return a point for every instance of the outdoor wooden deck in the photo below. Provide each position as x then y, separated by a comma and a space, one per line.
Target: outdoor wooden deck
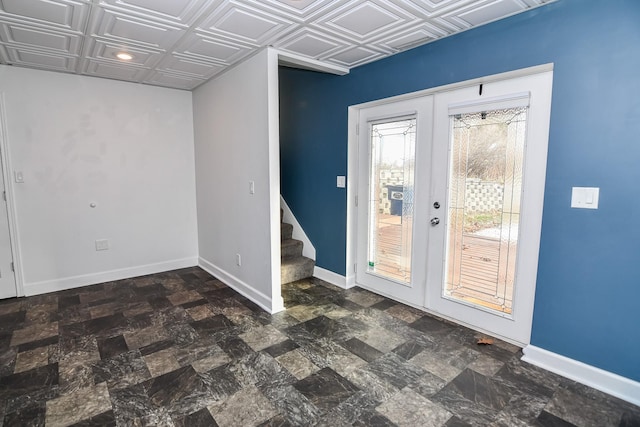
476, 274
391, 261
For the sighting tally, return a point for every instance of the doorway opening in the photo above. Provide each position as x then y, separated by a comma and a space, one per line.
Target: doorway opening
10, 280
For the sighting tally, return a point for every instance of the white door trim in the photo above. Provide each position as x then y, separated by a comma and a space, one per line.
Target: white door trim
5, 157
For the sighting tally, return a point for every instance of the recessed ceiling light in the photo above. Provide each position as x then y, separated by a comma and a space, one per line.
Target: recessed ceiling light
124, 56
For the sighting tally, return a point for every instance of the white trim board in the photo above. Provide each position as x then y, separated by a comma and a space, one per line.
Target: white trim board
65, 283
290, 59
275, 199
264, 301
597, 378
331, 277
507, 75
308, 250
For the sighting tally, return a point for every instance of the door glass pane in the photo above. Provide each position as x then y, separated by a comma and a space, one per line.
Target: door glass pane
391, 198
485, 185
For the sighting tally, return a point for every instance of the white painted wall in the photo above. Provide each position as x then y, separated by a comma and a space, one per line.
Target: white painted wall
126, 147
236, 141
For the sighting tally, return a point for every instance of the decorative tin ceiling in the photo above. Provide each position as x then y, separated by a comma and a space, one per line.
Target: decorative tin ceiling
183, 43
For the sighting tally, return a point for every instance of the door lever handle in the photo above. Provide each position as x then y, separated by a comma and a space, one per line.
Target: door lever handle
435, 221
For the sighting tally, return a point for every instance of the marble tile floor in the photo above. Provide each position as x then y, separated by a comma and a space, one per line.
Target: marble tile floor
182, 349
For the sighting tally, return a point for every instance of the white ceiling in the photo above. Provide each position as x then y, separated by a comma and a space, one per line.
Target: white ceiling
183, 43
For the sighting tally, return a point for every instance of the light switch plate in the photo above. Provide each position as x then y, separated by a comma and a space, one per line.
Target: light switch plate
341, 181
585, 197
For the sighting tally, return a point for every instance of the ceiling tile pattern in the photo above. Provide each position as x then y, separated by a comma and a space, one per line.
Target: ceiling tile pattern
183, 43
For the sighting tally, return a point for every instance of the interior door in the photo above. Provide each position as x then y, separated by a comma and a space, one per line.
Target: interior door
488, 172
7, 275
394, 158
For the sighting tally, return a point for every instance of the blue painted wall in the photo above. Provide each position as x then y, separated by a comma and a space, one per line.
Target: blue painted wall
588, 289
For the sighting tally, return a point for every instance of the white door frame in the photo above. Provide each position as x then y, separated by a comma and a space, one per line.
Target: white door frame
5, 158
352, 176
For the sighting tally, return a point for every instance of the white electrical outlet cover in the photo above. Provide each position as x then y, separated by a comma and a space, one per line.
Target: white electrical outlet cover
102, 245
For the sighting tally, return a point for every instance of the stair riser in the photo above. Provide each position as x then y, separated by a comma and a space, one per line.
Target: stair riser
291, 273
286, 231
293, 266
291, 250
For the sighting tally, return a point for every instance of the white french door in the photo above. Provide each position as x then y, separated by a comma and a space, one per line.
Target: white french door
489, 166
450, 193
395, 147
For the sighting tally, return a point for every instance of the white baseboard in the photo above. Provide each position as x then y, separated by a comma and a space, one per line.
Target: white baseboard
243, 288
331, 277
65, 283
351, 280
597, 378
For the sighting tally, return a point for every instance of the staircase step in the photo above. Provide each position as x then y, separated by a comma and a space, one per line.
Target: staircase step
290, 248
296, 269
286, 231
